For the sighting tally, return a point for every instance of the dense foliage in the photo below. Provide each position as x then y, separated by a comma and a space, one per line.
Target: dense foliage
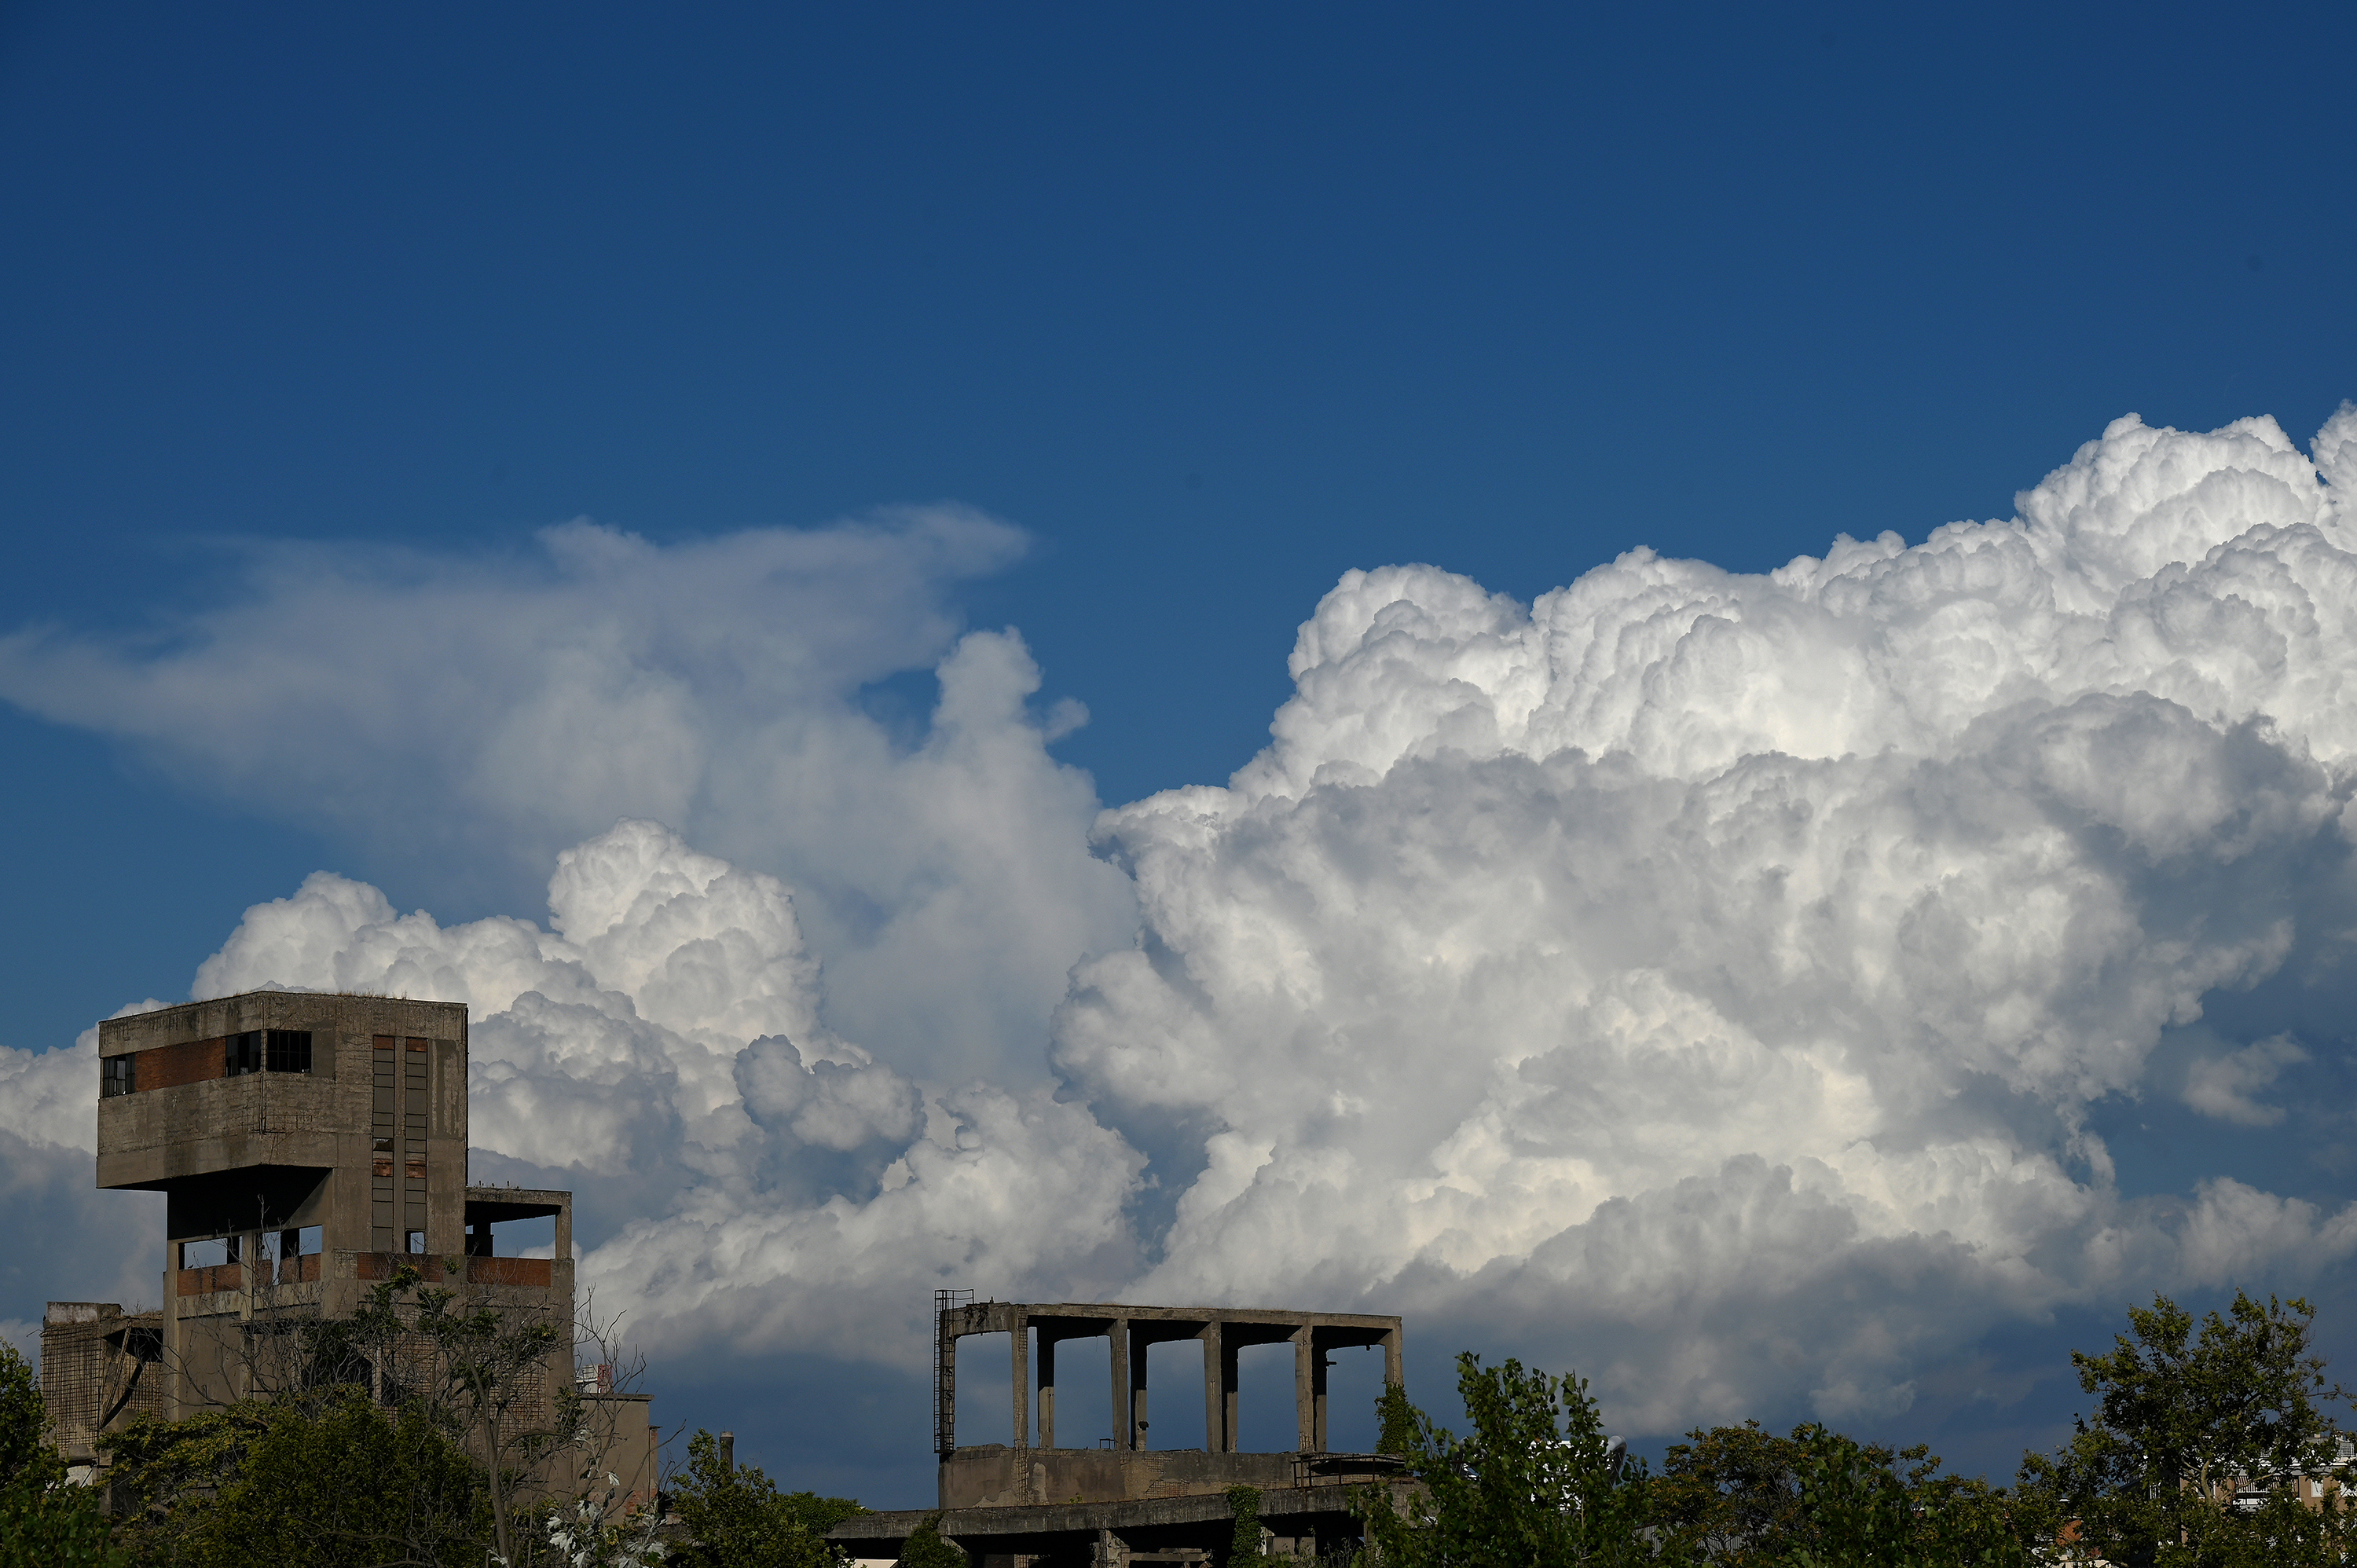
738, 1519
410, 1432
927, 1547
2210, 1445
2200, 1445
1536, 1482
322, 1484
45, 1521
1742, 1496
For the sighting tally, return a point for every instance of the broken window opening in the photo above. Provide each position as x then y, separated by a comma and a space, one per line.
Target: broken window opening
1083, 1369
1354, 1381
533, 1238
1174, 1370
267, 1050
118, 1075
1267, 1421
985, 1389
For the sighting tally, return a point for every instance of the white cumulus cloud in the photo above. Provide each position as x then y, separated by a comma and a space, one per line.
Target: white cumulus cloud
1726, 983
477, 715
1689, 941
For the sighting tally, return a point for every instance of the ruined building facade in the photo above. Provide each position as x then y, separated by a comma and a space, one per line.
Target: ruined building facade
308, 1145
1124, 1501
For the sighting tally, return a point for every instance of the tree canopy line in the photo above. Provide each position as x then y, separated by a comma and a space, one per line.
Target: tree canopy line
2210, 1444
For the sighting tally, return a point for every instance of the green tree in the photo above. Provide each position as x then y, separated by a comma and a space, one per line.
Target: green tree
1394, 1421
1732, 1495
1856, 1507
24, 1451
928, 1548
418, 1430
1741, 1496
2183, 1420
1244, 1541
739, 1519
1536, 1483
46, 1522
474, 1366
324, 1484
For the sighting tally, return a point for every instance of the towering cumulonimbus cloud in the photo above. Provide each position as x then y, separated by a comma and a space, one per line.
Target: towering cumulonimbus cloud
1717, 982
1692, 957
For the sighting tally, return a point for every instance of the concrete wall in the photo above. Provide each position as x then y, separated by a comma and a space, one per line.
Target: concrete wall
995, 1476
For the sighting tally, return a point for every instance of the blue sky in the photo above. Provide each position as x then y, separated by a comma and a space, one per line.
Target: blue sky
1214, 306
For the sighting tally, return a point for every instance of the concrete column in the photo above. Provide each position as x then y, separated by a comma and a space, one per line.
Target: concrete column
1022, 1380
1137, 1356
1123, 1433
1395, 1360
1047, 1391
1305, 1410
246, 1252
1230, 1403
1215, 1405
1317, 1392
175, 1358
564, 1233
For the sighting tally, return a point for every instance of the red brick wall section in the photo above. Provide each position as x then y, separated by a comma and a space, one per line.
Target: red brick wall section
220, 1277
193, 1061
509, 1271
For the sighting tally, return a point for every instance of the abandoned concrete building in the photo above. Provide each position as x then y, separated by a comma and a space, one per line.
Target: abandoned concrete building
307, 1145
1122, 1501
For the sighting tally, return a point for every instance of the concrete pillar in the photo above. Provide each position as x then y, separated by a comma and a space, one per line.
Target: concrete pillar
1021, 1356
1215, 1404
1137, 1356
1395, 1360
1230, 1402
1317, 1393
564, 1247
1305, 1410
1123, 1433
175, 1258
245, 1251
1047, 1391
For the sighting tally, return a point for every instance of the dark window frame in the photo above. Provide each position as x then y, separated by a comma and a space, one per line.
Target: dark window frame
287, 1050
267, 1050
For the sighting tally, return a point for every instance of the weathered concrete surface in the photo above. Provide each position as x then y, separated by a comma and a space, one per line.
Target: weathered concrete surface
310, 1144
1111, 1534
1128, 1330
996, 1475
369, 1143
98, 1372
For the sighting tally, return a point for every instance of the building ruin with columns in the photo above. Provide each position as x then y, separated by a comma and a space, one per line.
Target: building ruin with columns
1123, 1501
